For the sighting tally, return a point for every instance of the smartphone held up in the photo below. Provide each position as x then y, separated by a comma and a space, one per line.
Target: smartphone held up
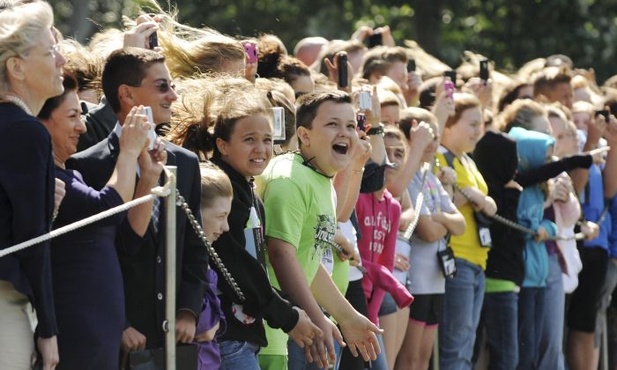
153, 41
342, 69
251, 52
151, 132
484, 72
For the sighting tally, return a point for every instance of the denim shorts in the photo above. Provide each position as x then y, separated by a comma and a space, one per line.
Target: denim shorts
388, 306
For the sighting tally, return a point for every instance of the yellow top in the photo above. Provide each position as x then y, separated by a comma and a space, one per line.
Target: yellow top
467, 246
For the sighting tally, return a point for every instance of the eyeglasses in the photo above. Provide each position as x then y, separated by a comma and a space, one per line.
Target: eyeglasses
54, 51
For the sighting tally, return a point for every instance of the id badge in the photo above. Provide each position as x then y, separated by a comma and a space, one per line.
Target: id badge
485, 237
447, 262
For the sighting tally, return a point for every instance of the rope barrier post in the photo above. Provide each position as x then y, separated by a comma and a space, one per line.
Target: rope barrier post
170, 275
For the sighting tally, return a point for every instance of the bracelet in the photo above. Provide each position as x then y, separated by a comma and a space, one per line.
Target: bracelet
375, 131
358, 171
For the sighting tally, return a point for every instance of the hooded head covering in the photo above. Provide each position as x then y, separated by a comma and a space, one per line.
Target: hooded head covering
496, 158
531, 147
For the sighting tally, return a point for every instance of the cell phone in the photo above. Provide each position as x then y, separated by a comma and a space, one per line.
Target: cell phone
278, 125
375, 39
603, 112
342, 69
451, 74
251, 52
151, 132
449, 87
484, 73
411, 65
361, 119
364, 100
153, 41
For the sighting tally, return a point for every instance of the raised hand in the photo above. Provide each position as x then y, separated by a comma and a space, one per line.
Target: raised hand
139, 35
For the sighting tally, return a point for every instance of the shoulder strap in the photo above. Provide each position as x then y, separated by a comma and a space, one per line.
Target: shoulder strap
449, 157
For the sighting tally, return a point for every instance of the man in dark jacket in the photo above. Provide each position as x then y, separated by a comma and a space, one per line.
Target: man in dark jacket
134, 77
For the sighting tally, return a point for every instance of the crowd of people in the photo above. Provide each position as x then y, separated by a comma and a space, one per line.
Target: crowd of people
360, 206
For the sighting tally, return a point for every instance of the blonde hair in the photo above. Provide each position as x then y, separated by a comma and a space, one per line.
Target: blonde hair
559, 110
106, 42
87, 67
193, 51
207, 54
20, 26
582, 106
214, 184
520, 113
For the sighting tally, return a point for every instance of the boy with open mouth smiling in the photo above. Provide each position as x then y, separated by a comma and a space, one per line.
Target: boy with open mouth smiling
300, 208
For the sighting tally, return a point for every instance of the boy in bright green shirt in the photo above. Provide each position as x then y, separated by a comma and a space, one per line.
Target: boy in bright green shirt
298, 197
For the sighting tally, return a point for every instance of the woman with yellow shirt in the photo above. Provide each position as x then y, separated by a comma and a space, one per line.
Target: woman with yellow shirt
465, 291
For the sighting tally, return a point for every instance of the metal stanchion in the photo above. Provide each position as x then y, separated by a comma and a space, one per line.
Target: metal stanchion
604, 345
170, 280
435, 362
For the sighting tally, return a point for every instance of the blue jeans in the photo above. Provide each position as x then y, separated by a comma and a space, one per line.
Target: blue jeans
380, 362
530, 317
461, 314
500, 314
297, 359
550, 349
238, 355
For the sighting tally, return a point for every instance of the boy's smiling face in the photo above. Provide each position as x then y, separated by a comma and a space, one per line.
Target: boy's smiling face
330, 141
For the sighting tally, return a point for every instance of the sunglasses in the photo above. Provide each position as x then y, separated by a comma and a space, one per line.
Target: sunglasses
163, 86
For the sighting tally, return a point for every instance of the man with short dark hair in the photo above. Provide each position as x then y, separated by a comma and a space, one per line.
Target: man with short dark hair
138, 77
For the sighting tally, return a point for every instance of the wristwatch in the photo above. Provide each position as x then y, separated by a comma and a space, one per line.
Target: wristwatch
375, 130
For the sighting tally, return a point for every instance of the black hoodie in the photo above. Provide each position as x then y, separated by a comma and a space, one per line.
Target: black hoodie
262, 301
496, 158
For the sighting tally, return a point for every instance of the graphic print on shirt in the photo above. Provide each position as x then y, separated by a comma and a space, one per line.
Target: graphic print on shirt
381, 227
255, 241
324, 235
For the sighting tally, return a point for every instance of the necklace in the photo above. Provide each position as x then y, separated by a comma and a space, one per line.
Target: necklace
18, 102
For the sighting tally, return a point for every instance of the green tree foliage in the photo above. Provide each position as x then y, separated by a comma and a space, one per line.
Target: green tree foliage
509, 32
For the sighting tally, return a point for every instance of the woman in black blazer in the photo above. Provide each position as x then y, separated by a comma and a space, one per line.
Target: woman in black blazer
87, 281
30, 73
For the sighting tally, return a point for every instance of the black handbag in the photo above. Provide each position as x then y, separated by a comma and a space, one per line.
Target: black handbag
154, 359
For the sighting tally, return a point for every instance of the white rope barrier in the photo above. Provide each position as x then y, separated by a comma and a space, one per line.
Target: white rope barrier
159, 191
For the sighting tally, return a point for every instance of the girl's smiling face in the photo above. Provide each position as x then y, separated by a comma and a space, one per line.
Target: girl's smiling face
249, 148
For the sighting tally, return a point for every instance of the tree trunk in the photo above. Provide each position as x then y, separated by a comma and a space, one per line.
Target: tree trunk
427, 22
79, 22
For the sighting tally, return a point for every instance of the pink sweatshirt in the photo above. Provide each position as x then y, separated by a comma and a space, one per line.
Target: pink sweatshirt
378, 220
